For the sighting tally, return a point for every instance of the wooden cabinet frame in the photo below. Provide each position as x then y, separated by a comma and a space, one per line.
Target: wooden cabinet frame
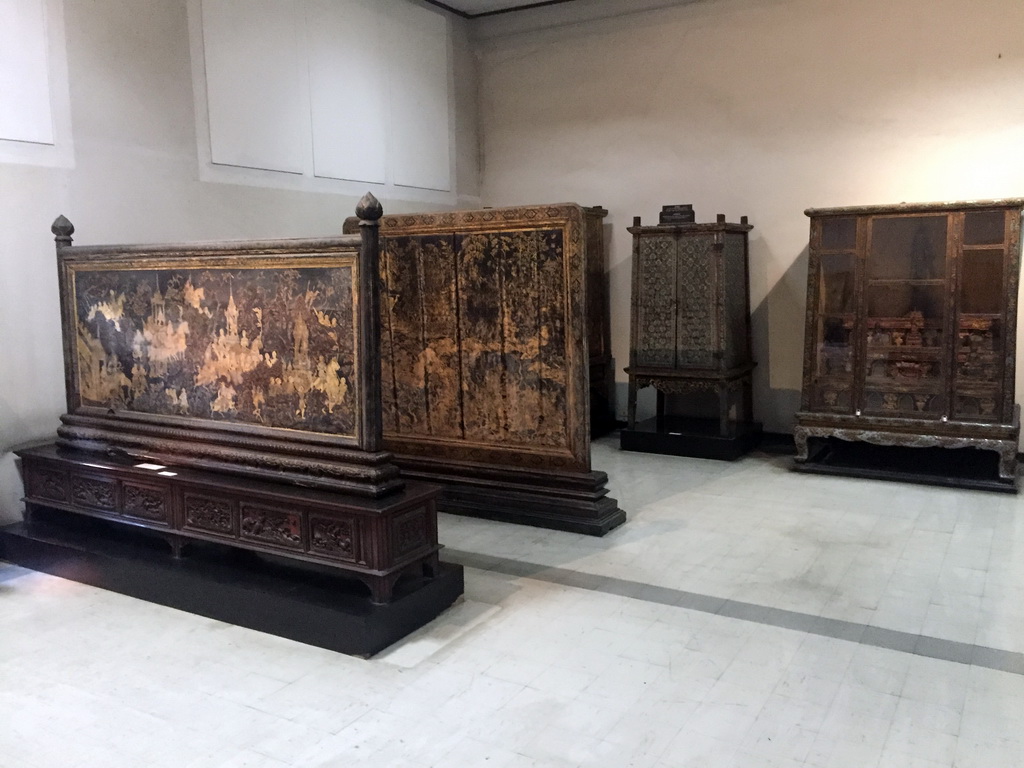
910, 335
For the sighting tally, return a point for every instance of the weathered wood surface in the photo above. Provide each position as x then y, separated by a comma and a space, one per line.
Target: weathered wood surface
484, 349
485, 361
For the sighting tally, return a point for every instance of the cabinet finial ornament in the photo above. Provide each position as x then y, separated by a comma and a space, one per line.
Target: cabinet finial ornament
62, 229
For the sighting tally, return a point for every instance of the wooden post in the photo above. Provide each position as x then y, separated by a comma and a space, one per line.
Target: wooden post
62, 230
369, 211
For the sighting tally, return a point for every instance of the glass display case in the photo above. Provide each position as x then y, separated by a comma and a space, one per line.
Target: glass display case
910, 334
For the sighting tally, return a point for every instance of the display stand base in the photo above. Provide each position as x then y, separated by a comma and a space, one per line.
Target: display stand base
969, 468
566, 501
682, 436
301, 602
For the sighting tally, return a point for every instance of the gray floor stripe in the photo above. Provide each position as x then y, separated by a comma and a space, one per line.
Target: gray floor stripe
865, 634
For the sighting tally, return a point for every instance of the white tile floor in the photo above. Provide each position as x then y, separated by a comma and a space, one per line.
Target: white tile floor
619, 651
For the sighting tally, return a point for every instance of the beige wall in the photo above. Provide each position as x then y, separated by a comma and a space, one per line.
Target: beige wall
760, 108
136, 179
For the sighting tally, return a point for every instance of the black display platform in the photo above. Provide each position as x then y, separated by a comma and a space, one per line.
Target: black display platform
683, 436
969, 468
304, 603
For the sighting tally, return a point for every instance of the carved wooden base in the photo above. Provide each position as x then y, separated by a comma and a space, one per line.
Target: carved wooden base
819, 448
373, 540
564, 501
304, 460
700, 438
305, 603
732, 387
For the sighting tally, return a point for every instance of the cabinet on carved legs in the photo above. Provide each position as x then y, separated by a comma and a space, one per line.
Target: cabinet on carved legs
690, 337
911, 340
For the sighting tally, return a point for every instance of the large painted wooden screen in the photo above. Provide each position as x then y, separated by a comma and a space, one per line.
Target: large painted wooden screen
256, 357
485, 365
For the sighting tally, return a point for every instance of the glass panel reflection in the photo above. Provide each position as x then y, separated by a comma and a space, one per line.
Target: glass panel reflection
838, 233
984, 227
908, 247
981, 281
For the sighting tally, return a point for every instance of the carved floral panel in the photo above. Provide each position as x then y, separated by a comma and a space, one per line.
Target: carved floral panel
94, 492
145, 502
208, 513
272, 526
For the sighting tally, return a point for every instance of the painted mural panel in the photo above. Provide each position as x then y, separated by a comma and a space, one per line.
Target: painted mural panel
266, 345
474, 329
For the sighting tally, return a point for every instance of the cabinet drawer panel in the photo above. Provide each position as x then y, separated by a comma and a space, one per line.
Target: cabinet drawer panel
276, 527
336, 538
46, 483
208, 514
99, 493
411, 532
146, 502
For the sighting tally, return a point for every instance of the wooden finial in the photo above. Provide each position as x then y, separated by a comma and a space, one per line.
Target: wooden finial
62, 230
369, 208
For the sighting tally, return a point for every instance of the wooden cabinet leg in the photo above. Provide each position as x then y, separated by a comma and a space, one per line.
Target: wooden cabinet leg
800, 439
381, 588
432, 566
1008, 463
725, 425
748, 401
177, 545
631, 404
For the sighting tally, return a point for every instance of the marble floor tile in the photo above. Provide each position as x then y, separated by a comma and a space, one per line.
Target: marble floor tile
743, 616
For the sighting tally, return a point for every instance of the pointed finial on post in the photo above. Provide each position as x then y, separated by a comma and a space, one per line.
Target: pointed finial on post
62, 230
369, 209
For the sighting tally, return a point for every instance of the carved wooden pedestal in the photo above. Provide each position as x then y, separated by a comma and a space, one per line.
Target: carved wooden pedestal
374, 540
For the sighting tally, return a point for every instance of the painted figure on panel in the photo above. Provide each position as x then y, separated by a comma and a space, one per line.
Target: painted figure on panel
265, 346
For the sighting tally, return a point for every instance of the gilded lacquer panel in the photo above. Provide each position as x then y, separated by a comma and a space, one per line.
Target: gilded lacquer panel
265, 344
484, 357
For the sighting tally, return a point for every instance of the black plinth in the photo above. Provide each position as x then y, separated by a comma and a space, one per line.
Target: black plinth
969, 468
257, 591
682, 436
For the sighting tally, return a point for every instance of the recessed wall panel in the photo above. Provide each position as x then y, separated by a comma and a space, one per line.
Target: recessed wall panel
256, 84
417, 44
347, 84
25, 113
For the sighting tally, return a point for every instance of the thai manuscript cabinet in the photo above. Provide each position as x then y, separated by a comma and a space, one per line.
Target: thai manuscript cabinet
690, 336
910, 336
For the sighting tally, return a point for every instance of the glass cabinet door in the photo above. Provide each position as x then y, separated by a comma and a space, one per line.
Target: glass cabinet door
905, 316
978, 365
835, 316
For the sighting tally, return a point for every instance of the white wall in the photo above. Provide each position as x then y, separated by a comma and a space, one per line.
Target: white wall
136, 178
753, 107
